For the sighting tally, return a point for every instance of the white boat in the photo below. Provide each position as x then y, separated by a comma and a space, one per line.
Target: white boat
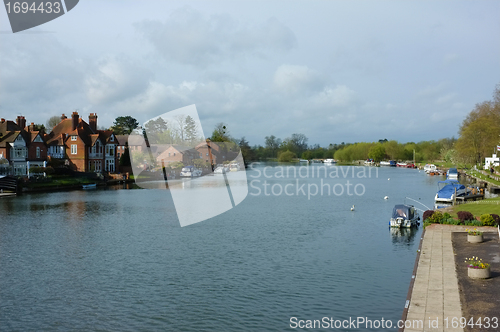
190, 171
234, 167
369, 162
330, 161
304, 161
404, 216
452, 174
449, 190
390, 163
89, 186
220, 170
430, 168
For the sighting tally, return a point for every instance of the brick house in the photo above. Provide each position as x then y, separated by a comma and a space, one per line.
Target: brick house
22, 146
218, 152
174, 152
82, 145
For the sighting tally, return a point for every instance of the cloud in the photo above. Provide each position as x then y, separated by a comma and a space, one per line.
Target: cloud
338, 96
188, 37
292, 79
115, 78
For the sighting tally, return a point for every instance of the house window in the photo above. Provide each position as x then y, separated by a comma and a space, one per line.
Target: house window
74, 149
169, 154
174, 154
38, 152
112, 138
207, 154
73, 137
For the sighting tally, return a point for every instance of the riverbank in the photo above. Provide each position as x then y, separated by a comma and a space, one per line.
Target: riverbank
440, 292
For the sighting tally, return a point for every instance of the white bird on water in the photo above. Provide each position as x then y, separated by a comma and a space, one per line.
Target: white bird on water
386, 197
352, 208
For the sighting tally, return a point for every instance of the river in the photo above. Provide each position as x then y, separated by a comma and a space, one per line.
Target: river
118, 260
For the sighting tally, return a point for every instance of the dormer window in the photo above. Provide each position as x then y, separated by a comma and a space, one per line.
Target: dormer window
73, 137
112, 138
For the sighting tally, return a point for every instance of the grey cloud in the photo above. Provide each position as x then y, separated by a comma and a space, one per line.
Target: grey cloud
188, 37
115, 78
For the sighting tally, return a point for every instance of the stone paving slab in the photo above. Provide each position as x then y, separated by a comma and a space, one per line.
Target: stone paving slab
435, 303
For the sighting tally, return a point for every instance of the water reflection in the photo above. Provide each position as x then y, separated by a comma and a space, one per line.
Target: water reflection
403, 235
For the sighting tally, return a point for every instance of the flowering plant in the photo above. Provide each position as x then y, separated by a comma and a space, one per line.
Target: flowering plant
474, 232
476, 263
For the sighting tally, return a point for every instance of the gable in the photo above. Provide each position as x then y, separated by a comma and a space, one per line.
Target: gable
38, 139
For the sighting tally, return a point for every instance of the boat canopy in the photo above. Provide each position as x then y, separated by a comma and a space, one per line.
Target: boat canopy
453, 171
447, 188
403, 211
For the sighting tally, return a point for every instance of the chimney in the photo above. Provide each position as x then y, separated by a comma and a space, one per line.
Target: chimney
75, 120
93, 122
63, 117
2, 120
31, 127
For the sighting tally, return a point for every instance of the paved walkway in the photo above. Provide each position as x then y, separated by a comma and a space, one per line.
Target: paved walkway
435, 298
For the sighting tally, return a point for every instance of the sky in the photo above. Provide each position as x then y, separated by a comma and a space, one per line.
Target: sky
336, 71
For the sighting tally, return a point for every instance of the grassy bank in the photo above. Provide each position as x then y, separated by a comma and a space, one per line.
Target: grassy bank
478, 208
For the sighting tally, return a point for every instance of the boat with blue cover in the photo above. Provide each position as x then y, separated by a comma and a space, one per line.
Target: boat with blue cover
449, 190
404, 216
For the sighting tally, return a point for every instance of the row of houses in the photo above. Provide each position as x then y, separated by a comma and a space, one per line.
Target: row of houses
84, 148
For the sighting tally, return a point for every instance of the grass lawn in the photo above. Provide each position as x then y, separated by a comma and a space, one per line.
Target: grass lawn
487, 206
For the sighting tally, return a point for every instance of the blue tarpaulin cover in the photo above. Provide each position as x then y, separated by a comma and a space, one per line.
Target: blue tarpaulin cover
448, 188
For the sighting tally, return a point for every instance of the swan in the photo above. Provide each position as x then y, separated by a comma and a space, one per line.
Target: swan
386, 197
352, 208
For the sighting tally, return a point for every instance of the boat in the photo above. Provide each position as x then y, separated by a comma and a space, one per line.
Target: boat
390, 163
449, 190
234, 167
404, 216
452, 174
402, 164
369, 162
330, 161
89, 186
220, 170
190, 171
430, 168
303, 161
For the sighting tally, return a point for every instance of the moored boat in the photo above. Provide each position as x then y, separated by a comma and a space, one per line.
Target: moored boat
452, 174
404, 216
430, 168
89, 186
449, 190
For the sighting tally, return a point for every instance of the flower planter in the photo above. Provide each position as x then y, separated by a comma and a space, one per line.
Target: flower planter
479, 273
475, 238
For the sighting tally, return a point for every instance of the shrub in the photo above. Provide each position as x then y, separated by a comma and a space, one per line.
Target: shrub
487, 220
464, 216
427, 214
286, 156
496, 218
473, 223
436, 218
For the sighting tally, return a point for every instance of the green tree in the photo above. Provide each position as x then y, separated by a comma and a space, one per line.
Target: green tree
377, 152
154, 130
220, 133
190, 129
286, 156
125, 158
246, 151
272, 144
124, 125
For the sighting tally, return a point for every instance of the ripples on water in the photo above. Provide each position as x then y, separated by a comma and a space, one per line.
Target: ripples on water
118, 259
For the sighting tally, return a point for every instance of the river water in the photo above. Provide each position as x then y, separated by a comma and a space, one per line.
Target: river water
118, 260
